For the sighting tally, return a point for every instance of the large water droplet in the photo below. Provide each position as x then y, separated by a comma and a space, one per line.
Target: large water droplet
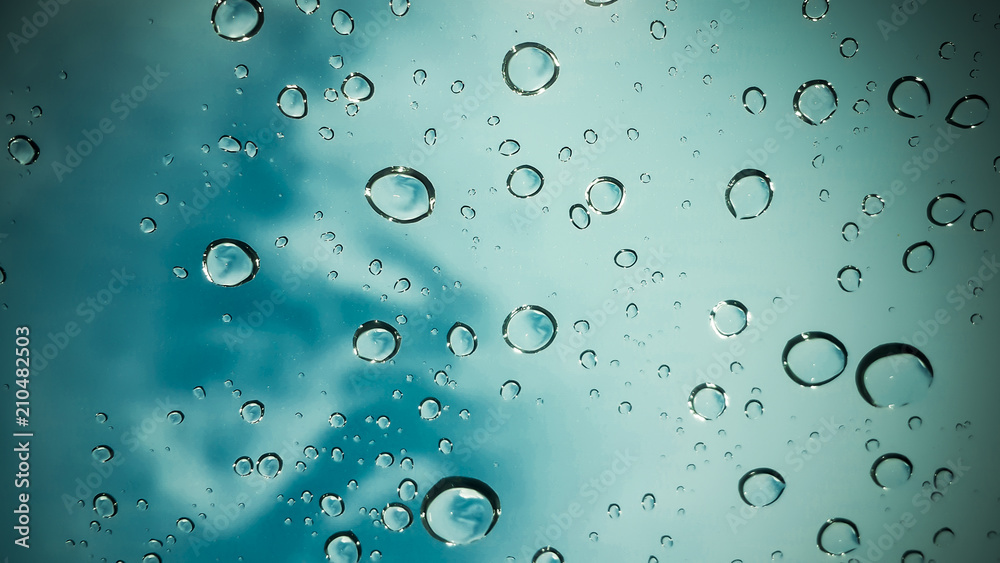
376, 341
229, 262
749, 194
22, 149
909, 96
815, 101
243, 466
462, 339
838, 536
891, 470
814, 358
893, 375
849, 278
945, 209
918, 257
815, 10
331, 504
252, 411
342, 22
307, 6
708, 401
396, 517
605, 195
524, 181
400, 194
237, 20
357, 87
728, 318
105, 505
547, 555
761, 487
968, 112
343, 547
269, 465
754, 100
529, 329
399, 8
430, 408
102, 454
459, 510
293, 102
530, 68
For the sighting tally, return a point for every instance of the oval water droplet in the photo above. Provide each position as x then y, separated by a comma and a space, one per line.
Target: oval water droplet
524, 181
893, 375
754, 409
376, 341
749, 194
269, 465
509, 147
396, 517
105, 505
838, 536
850, 231
430, 408
969, 112
22, 149
529, 329
918, 257
185, 525
814, 358
102, 454
547, 555
229, 262
708, 401
243, 466
147, 225
229, 143
399, 8
891, 470
754, 100
605, 195
530, 68
579, 216
293, 102
815, 102
728, 318
462, 339
761, 487
815, 10
252, 411
849, 47
400, 194
849, 278
237, 20
658, 30
331, 504
419, 76
459, 510
626, 258
343, 547
510, 390
909, 96
357, 87
945, 210
342, 22
307, 6
872, 204
982, 220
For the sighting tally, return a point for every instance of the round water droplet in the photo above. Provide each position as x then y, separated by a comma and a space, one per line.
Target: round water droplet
708, 401
754, 100
909, 96
947, 50
530, 68
579, 216
529, 329
175, 417
459, 510
524, 181
376, 341
918, 257
396, 517
229, 144
509, 147
872, 204
243, 466
399, 8
105, 505
945, 209
588, 359
849, 278
815, 102
407, 490
605, 195
761, 487
626, 258
331, 504
293, 102
814, 358
357, 87
547, 555
102, 454
147, 225
343, 547
400, 194
728, 318
375, 267
22, 149
252, 411
237, 20
307, 6
229, 262
331, 95
161, 198
510, 390
838, 536
861, 106
269, 465
969, 112
754, 409
982, 220
461, 339
185, 525
849, 47
430, 408
944, 537
893, 375
891, 470
815, 10
342, 22
850, 231
749, 194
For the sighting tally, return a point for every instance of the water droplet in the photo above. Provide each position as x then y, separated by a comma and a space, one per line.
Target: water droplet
105, 505
400, 194
185, 525
376, 341
147, 225
430, 408
399, 8
419, 76
547, 555
161, 198
375, 267
749, 194
872, 204
384, 460
175, 417
269, 465
579, 216
396, 517
307, 6
814, 358
605, 195
944, 537
849, 278
918, 257
510, 390
237, 20
22, 149
461, 339
708, 401
357, 87
588, 359
293, 102
945, 209
524, 181
658, 30
457, 87
530, 68
343, 547
229, 144
754, 100
861, 106
430, 136
252, 411
331, 504
102, 454
407, 490
326, 133
250, 148
626, 258
509, 147
459, 510
761, 487
850, 231
754, 409
891, 470
401, 285
468, 212
849, 47
229, 262
815, 101
243, 466
909, 96
342, 22
728, 318
815, 10
529, 329
893, 375
969, 112
838, 536
982, 220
